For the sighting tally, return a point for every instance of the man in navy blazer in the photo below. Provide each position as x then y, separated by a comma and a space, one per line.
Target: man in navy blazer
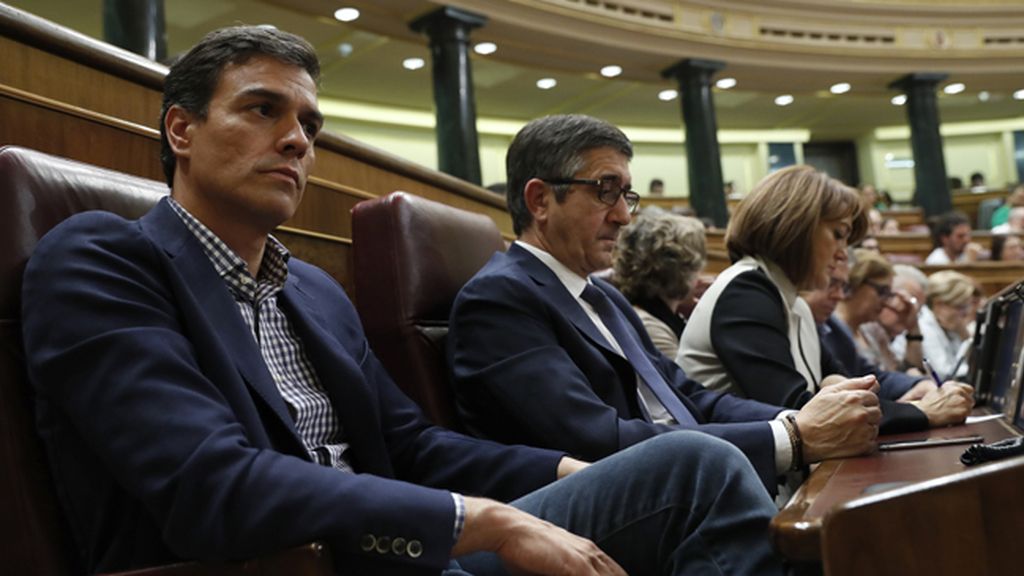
533, 361
202, 395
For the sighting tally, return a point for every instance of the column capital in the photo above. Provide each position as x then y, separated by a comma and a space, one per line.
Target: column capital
689, 66
918, 79
442, 18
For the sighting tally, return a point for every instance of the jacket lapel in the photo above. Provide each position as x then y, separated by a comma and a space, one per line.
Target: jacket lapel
212, 297
341, 376
559, 297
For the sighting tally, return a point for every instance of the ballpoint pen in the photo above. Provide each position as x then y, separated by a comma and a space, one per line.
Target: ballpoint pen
934, 374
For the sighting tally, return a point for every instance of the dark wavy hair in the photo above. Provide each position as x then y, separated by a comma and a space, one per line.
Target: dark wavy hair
193, 78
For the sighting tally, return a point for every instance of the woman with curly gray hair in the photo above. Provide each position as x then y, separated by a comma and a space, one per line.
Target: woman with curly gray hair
657, 260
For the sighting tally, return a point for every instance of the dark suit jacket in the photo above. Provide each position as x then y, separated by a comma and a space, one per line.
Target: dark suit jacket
167, 435
529, 366
838, 342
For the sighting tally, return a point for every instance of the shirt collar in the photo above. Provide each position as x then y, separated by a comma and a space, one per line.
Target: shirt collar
229, 266
572, 281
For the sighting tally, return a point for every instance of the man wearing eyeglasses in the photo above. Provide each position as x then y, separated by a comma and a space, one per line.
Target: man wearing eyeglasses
943, 406
543, 353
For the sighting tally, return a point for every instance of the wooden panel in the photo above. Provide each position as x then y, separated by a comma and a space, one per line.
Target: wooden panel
969, 523
906, 218
797, 528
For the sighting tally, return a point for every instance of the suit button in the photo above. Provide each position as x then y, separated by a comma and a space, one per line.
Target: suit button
383, 544
367, 542
415, 549
398, 546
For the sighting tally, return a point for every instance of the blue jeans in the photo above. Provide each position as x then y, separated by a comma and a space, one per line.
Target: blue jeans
679, 503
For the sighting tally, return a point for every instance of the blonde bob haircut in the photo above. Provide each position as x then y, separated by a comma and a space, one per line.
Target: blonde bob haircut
950, 287
868, 265
779, 217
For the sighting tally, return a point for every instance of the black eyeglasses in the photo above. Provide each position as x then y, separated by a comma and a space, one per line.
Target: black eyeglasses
884, 291
608, 190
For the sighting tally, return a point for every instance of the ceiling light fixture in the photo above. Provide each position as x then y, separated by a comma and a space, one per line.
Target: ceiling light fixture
611, 71
899, 100
955, 88
1018, 95
984, 96
726, 83
668, 95
547, 83
485, 48
345, 49
840, 88
413, 63
346, 14
784, 100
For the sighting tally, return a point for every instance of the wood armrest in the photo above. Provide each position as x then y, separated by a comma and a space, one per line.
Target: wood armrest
308, 560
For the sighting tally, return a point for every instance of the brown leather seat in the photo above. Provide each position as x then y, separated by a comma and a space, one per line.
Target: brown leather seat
411, 258
38, 191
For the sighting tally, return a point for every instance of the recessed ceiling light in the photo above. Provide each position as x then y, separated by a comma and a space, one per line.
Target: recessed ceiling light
668, 95
413, 63
784, 100
726, 83
899, 100
611, 71
840, 88
984, 96
954, 88
346, 14
485, 48
345, 49
1018, 95
547, 83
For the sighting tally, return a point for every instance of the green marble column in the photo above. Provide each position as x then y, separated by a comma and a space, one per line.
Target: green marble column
137, 26
457, 146
932, 186
702, 153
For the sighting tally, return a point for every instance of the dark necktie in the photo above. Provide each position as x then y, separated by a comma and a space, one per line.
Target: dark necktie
626, 338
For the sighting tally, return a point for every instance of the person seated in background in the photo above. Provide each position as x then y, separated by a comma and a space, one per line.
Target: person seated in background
543, 353
951, 236
840, 314
951, 302
978, 182
885, 201
1014, 223
209, 397
889, 227
888, 343
656, 188
657, 260
1007, 247
837, 340
870, 282
1013, 200
751, 334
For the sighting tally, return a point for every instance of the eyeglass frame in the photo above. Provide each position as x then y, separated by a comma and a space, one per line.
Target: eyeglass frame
883, 291
631, 197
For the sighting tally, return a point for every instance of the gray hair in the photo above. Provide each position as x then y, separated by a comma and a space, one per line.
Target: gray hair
903, 272
552, 147
659, 255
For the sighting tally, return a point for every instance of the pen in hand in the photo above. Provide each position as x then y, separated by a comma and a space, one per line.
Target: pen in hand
934, 374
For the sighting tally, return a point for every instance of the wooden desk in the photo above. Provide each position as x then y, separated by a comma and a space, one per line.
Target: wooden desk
796, 530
